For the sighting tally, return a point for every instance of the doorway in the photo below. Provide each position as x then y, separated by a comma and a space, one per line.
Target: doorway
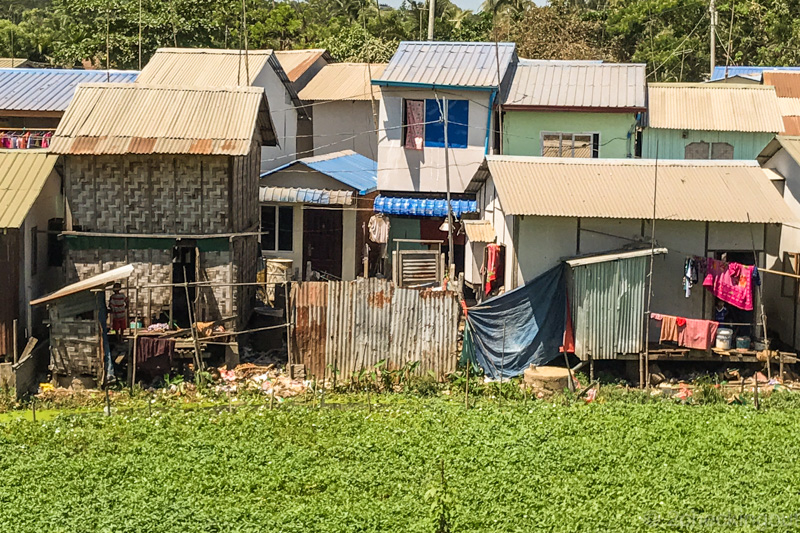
184, 269
322, 242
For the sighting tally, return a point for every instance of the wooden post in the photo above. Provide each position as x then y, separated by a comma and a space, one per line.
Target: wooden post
197, 359
16, 347
290, 359
133, 358
780, 365
755, 391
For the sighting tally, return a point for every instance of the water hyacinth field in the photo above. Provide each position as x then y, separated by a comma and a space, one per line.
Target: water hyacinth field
409, 464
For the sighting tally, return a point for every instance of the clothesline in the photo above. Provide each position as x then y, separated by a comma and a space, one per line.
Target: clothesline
27, 140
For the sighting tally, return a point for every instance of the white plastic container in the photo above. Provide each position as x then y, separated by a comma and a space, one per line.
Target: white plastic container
724, 338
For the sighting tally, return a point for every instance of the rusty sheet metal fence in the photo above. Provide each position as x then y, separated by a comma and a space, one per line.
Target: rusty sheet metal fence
350, 325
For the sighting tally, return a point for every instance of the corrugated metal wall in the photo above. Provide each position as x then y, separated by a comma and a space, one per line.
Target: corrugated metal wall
608, 307
350, 325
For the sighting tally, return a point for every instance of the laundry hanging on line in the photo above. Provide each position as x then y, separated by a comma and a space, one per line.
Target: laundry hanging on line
25, 139
692, 333
731, 282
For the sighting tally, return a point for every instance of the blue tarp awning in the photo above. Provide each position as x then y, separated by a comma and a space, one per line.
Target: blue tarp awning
523, 327
422, 207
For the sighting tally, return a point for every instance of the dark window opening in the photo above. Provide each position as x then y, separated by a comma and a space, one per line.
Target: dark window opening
34, 250
55, 247
277, 228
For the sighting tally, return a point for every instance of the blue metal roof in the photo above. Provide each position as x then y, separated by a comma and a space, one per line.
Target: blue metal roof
23, 89
750, 72
347, 167
422, 207
459, 65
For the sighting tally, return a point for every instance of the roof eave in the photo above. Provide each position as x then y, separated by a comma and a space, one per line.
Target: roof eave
417, 85
573, 109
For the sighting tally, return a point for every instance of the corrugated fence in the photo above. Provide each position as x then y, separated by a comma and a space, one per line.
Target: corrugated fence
608, 308
350, 325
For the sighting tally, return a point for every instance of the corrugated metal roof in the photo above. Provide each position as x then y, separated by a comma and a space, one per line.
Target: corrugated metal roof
297, 62
141, 119
422, 207
346, 166
713, 107
202, 67
23, 173
721, 72
344, 81
577, 84
791, 144
713, 191
294, 195
100, 280
445, 64
479, 230
199, 67
787, 84
11, 62
790, 107
591, 259
49, 89
791, 125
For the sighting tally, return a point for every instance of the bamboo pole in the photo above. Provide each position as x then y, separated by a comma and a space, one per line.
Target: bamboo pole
197, 358
14, 332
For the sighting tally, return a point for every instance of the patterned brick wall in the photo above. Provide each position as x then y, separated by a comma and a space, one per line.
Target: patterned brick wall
150, 267
163, 193
166, 194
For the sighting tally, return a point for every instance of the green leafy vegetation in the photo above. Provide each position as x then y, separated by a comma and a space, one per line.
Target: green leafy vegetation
626, 462
670, 36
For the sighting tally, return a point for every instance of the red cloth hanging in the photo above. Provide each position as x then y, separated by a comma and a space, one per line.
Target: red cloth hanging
492, 266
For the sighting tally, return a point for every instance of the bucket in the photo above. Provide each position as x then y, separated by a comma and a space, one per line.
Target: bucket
742, 343
724, 338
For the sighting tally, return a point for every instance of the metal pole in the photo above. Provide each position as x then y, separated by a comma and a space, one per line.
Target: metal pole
646, 366
431, 16
451, 251
289, 359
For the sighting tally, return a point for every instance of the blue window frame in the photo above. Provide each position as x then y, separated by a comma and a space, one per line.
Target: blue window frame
457, 123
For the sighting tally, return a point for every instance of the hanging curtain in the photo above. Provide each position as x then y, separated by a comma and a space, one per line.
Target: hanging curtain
415, 124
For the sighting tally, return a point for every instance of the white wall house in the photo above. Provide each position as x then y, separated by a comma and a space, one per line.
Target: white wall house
313, 210
544, 210
343, 106
224, 68
423, 83
783, 157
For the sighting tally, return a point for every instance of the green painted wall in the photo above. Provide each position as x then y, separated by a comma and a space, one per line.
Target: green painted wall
522, 130
672, 145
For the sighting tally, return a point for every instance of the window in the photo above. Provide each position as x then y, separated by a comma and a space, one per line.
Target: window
55, 250
277, 227
721, 151
704, 150
558, 144
696, 150
423, 124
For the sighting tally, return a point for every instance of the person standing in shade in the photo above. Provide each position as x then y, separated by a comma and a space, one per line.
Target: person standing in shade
118, 309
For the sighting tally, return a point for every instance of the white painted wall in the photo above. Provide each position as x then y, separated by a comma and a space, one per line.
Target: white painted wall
345, 125
49, 204
284, 119
424, 170
542, 242
780, 308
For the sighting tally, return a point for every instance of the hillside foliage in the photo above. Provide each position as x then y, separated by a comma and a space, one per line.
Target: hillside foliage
670, 36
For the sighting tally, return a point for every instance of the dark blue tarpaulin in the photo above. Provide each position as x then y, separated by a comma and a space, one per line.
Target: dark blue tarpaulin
533, 316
